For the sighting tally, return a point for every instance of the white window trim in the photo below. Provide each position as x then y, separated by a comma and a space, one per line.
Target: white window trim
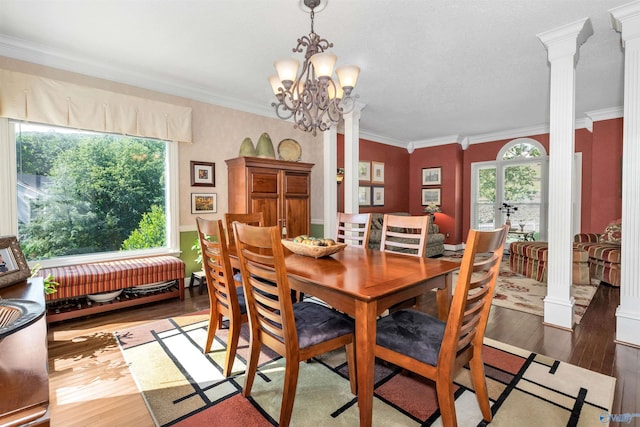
9, 210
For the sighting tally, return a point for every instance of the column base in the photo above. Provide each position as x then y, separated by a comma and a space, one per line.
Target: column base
559, 312
627, 327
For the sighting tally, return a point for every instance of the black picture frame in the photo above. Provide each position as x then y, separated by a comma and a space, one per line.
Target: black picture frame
203, 174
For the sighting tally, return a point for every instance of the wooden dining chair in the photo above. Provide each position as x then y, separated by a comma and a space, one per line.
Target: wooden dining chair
226, 298
354, 229
255, 218
296, 331
436, 349
405, 234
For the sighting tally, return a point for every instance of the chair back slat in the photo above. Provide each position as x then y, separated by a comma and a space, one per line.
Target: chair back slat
255, 218
474, 290
266, 284
353, 229
405, 234
217, 266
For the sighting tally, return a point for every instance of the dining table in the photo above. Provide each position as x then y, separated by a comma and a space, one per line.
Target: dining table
364, 283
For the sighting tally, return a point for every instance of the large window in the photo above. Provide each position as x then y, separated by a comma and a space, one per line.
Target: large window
89, 195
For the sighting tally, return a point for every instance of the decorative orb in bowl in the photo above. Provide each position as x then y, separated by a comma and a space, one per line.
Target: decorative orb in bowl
312, 251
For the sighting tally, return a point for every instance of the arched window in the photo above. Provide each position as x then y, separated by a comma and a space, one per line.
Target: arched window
512, 188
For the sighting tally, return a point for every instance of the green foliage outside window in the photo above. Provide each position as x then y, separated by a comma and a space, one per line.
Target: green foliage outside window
101, 193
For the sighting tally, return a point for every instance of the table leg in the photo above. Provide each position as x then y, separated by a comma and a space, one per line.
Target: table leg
365, 324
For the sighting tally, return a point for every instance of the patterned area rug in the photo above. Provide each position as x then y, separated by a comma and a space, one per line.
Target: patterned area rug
184, 387
521, 293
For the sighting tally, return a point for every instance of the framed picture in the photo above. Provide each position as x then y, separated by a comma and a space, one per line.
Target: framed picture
431, 176
204, 203
377, 172
377, 198
364, 171
203, 174
13, 266
431, 196
364, 195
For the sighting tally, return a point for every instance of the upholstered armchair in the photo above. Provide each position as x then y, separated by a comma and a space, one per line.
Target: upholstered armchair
435, 240
604, 252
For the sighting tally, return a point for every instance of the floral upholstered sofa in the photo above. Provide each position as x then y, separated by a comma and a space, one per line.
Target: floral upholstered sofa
435, 239
604, 252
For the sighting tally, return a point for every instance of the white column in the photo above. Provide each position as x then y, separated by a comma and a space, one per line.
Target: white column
626, 20
351, 158
562, 48
330, 208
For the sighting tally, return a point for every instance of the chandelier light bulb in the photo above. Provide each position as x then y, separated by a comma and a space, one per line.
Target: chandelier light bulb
335, 91
276, 84
287, 70
348, 77
323, 64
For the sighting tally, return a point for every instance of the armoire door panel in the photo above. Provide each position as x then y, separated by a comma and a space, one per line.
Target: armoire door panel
268, 207
297, 216
296, 184
264, 181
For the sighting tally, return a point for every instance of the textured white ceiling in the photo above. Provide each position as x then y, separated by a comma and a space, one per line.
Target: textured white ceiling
430, 69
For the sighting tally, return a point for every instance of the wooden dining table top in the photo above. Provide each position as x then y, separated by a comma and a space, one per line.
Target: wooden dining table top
366, 274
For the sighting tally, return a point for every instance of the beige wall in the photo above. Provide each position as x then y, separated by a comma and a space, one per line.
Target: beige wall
217, 135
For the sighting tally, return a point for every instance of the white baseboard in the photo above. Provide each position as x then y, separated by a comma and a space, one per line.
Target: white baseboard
458, 247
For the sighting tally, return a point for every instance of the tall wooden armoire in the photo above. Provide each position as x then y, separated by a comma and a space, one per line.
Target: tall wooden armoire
281, 190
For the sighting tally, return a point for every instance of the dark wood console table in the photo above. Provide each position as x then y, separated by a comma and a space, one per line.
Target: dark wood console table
24, 379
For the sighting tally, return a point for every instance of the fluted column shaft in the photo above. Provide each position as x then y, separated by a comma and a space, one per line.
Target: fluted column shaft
562, 46
626, 20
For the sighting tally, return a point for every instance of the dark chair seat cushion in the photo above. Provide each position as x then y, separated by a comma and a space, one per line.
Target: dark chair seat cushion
316, 323
411, 333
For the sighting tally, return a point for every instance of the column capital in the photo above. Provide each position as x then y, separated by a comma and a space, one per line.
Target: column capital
625, 19
565, 41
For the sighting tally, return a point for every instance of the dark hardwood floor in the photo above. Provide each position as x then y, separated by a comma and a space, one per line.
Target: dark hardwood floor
90, 383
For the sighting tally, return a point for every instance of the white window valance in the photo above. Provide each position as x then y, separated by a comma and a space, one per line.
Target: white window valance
42, 100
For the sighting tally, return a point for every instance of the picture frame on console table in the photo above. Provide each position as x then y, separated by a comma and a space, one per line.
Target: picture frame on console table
202, 203
431, 196
13, 265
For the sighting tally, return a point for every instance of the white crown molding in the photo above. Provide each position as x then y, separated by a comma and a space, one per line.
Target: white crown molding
509, 134
433, 142
364, 134
30, 52
605, 114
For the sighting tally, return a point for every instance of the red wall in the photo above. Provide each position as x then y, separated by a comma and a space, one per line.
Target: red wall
601, 176
449, 158
605, 171
396, 176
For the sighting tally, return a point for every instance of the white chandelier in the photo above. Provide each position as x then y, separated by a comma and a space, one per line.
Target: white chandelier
313, 98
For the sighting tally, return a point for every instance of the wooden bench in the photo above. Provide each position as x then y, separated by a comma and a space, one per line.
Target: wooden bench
78, 281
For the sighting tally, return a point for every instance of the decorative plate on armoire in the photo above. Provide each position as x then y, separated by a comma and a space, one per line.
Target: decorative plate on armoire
289, 150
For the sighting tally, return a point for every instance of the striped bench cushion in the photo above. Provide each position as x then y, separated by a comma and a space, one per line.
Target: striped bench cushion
85, 279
